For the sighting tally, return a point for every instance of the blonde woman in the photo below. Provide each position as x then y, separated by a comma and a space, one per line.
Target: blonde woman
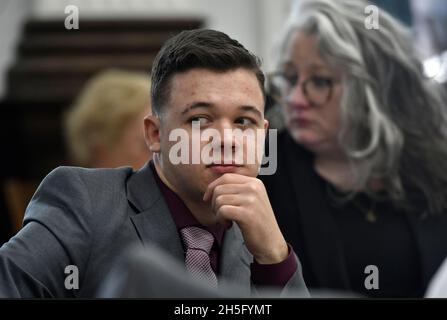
104, 128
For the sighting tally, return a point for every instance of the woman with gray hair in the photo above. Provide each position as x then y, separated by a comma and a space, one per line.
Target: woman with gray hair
361, 185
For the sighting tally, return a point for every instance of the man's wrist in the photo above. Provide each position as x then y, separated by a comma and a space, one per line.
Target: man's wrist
274, 274
276, 256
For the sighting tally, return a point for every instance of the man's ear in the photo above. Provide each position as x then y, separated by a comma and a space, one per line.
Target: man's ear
266, 125
152, 133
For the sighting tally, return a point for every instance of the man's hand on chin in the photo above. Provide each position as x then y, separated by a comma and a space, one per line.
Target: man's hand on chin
244, 200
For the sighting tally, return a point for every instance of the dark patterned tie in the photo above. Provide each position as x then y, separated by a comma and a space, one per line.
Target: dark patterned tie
198, 244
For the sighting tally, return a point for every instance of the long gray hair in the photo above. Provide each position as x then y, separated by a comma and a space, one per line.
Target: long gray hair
394, 119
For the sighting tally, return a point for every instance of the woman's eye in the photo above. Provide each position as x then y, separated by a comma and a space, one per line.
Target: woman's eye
290, 78
322, 82
244, 121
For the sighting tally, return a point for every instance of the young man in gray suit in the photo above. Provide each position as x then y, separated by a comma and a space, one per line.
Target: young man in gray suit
81, 221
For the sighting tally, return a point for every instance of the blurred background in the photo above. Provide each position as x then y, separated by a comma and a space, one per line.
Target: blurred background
44, 66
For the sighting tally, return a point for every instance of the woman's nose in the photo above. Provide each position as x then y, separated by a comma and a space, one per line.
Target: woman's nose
297, 98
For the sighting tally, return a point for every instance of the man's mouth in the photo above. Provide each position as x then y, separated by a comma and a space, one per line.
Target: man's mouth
224, 167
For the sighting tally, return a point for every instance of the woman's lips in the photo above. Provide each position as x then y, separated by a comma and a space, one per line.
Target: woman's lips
300, 122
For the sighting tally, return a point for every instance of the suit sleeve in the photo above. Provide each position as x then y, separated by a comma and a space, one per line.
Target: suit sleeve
273, 285
56, 233
296, 286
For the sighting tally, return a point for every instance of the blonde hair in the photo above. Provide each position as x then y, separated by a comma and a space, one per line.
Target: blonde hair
106, 105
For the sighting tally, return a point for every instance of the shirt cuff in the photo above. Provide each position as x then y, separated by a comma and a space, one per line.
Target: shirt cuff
276, 275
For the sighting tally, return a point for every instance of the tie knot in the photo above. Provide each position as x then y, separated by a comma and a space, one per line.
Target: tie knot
197, 238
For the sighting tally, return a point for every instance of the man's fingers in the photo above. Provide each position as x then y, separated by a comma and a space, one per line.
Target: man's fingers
227, 178
232, 188
235, 190
225, 199
229, 213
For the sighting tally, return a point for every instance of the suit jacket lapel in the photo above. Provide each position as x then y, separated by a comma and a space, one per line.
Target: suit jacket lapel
235, 259
153, 221
322, 242
154, 224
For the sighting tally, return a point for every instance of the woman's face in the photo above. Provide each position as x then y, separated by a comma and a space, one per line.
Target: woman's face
129, 149
311, 107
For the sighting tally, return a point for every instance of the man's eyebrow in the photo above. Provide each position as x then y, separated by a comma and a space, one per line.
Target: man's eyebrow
196, 105
252, 109
200, 104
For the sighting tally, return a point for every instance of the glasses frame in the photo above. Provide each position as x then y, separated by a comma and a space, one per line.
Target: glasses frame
278, 97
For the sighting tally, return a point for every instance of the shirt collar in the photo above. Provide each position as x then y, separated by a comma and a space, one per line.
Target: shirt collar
180, 213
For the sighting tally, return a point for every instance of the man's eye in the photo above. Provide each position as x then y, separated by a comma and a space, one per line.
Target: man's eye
245, 121
200, 120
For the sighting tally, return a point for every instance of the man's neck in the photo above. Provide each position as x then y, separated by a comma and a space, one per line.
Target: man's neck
201, 210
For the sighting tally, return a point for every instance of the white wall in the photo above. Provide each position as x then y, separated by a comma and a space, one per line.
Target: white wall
12, 15
254, 23
271, 23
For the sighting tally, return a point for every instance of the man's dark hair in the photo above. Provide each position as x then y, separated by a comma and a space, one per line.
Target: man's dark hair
200, 48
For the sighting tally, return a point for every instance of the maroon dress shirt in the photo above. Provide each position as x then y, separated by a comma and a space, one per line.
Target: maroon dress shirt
261, 274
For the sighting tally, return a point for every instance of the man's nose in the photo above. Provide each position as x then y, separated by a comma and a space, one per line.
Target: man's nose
226, 130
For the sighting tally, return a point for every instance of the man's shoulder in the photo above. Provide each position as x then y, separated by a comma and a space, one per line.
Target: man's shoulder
66, 186
90, 174
88, 178
81, 194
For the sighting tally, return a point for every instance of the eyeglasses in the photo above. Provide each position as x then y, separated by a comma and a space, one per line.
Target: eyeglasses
316, 89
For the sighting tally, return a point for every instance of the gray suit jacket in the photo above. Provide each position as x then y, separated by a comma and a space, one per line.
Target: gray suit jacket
88, 218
